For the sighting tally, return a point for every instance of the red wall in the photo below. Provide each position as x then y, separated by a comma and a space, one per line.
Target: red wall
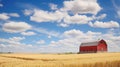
102, 47
88, 49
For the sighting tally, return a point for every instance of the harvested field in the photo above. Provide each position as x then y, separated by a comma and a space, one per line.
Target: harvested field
62, 60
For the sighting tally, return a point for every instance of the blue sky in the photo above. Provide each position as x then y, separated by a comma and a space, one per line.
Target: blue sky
50, 26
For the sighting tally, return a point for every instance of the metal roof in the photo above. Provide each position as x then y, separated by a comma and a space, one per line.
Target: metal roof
95, 43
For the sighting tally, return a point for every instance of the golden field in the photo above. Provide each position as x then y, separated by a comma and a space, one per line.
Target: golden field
62, 60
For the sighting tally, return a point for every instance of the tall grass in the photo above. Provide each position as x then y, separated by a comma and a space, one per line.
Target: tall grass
63, 60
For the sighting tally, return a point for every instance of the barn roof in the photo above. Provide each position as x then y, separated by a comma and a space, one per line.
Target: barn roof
95, 43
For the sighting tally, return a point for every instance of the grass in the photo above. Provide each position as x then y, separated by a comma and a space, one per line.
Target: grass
62, 60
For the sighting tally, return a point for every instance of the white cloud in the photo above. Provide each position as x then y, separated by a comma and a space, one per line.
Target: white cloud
102, 16
14, 44
73, 38
113, 42
45, 16
1, 5
28, 33
12, 41
111, 24
47, 32
63, 25
62, 16
82, 6
73, 33
53, 6
4, 16
70, 42
41, 42
14, 15
27, 12
79, 34
15, 27
93, 33
16, 38
77, 19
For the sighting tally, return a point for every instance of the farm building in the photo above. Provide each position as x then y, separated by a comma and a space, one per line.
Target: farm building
93, 47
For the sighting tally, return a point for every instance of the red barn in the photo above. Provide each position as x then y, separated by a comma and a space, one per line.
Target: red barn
93, 47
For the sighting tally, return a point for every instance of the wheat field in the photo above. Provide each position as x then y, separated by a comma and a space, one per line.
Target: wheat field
62, 60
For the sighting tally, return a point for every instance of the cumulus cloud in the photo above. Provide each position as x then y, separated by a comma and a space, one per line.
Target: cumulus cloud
16, 38
82, 6
27, 12
63, 17
29, 33
80, 34
72, 33
14, 15
102, 16
14, 44
70, 42
73, 38
45, 16
111, 24
53, 6
77, 19
15, 27
12, 41
4, 16
63, 25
